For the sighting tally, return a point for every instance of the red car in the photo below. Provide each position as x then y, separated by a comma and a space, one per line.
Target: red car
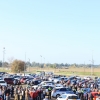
22, 80
11, 81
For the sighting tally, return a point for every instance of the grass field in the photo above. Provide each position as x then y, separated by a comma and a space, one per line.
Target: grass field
70, 71
67, 72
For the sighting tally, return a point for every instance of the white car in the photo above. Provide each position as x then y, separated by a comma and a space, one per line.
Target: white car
56, 80
3, 83
59, 85
68, 97
50, 83
56, 92
87, 78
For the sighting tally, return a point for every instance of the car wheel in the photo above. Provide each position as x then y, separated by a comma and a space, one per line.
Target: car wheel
57, 95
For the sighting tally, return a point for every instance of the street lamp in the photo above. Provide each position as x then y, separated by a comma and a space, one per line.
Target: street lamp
44, 60
29, 64
3, 57
25, 64
41, 61
92, 63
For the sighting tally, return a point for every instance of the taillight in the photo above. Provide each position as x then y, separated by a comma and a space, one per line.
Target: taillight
1, 99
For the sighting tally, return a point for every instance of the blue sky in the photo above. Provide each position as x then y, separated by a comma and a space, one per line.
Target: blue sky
62, 31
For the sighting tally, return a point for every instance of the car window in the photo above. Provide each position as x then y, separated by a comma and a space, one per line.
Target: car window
68, 89
2, 81
73, 97
63, 89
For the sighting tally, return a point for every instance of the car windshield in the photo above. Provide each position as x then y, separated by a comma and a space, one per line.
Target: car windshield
2, 81
73, 97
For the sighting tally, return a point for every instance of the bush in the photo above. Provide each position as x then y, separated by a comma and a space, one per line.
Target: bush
18, 66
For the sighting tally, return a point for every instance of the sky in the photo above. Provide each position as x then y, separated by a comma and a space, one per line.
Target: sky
61, 31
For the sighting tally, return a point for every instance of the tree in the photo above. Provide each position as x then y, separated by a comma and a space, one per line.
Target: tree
18, 66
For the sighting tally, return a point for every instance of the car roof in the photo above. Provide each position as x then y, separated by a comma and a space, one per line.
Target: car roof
48, 85
59, 87
70, 94
47, 81
2, 80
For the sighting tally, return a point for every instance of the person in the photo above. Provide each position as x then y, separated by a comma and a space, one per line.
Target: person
26, 94
74, 90
16, 96
39, 93
7, 93
79, 92
49, 90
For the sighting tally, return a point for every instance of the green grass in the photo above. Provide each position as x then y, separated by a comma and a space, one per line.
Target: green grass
78, 73
67, 73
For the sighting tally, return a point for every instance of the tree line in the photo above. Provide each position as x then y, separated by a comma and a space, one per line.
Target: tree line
37, 64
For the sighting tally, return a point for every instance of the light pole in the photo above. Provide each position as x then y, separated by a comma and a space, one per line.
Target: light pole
84, 67
3, 57
41, 61
29, 64
25, 64
92, 65
44, 62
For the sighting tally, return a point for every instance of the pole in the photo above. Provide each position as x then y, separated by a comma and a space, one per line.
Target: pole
41, 61
3, 57
29, 65
92, 66
84, 67
44, 62
25, 64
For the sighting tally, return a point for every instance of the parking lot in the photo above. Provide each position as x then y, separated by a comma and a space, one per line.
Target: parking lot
49, 85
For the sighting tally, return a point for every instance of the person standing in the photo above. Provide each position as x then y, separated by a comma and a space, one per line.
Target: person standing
26, 94
49, 90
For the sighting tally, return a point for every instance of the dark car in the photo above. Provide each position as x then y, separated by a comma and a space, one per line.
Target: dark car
35, 82
11, 81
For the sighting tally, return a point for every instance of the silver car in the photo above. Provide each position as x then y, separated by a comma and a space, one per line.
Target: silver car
56, 92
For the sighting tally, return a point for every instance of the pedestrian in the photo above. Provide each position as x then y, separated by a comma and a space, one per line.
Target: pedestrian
26, 94
49, 90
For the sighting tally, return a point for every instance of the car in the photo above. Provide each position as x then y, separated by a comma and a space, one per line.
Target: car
59, 85
57, 80
3, 83
54, 77
46, 87
56, 92
68, 97
47, 83
22, 80
35, 82
17, 77
11, 81
87, 78
28, 81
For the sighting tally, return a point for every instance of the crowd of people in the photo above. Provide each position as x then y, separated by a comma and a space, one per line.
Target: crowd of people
23, 93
